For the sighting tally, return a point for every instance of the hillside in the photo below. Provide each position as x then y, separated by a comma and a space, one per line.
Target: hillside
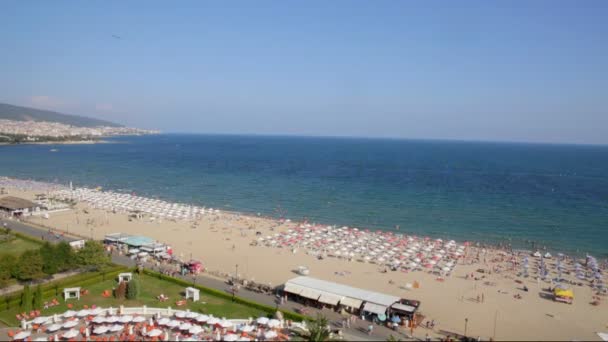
18, 113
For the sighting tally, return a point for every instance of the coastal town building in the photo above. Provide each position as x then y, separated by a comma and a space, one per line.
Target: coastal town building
15, 206
350, 298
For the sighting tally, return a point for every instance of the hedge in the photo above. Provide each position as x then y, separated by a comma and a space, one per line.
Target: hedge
217, 293
28, 238
48, 289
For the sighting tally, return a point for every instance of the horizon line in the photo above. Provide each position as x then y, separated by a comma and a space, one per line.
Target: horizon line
287, 135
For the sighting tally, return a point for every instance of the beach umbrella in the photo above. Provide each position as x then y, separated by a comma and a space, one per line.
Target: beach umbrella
225, 323
138, 319
69, 314
40, 320
83, 313
202, 318
53, 327
116, 327
273, 323
382, 317
180, 314
99, 320
395, 319
100, 330
22, 335
173, 324
230, 337
155, 332
69, 324
191, 315
126, 319
269, 335
262, 320
163, 321
246, 328
213, 321
185, 326
195, 330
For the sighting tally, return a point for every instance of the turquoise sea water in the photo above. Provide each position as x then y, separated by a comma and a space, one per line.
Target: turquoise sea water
554, 195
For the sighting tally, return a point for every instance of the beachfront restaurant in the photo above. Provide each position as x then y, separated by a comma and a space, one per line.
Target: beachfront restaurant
375, 305
15, 206
135, 243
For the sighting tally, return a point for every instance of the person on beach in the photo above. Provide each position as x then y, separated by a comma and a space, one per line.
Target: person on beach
370, 329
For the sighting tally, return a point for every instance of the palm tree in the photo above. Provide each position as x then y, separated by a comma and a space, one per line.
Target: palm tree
317, 329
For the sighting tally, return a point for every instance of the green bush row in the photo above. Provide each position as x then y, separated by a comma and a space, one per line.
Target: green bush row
48, 290
217, 293
29, 238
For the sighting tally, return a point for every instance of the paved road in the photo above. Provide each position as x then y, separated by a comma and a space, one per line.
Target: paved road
356, 332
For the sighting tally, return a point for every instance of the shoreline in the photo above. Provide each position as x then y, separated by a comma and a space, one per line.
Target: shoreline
493, 244
72, 142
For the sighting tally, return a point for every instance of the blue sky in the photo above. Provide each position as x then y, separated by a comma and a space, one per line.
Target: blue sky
467, 70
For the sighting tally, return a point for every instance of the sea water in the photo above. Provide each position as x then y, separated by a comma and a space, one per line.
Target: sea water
528, 195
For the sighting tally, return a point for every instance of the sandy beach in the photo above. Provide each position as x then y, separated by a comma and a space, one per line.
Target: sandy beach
223, 240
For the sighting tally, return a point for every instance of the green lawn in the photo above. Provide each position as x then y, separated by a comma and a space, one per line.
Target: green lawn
17, 246
150, 288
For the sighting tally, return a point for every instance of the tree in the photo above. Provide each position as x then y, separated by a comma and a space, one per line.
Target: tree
38, 298
26, 299
8, 265
65, 256
133, 288
318, 329
50, 261
93, 255
29, 266
121, 290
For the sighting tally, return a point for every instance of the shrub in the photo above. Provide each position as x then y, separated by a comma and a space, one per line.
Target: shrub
26, 299
38, 298
133, 288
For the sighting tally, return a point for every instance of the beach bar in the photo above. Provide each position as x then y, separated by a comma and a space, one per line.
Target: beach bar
15, 206
352, 299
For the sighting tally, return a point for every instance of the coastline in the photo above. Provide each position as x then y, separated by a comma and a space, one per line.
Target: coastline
74, 142
225, 239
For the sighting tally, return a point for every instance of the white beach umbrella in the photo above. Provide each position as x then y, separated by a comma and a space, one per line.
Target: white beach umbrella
69, 324
139, 319
100, 330
173, 324
247, 328
230, 337
185, 326
22, 335
213, 321
53, 327
83, 313
262, 320
163, 321
269, 335
202, 318
195, 330
69, 314
273, 323
126, 319
225, 323
99, 320
191, 315
41, 320
155, 332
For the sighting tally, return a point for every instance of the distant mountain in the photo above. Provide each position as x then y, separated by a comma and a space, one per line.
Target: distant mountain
18, 113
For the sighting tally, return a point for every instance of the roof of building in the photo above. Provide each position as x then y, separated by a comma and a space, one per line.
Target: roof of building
322, 286
15, 203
